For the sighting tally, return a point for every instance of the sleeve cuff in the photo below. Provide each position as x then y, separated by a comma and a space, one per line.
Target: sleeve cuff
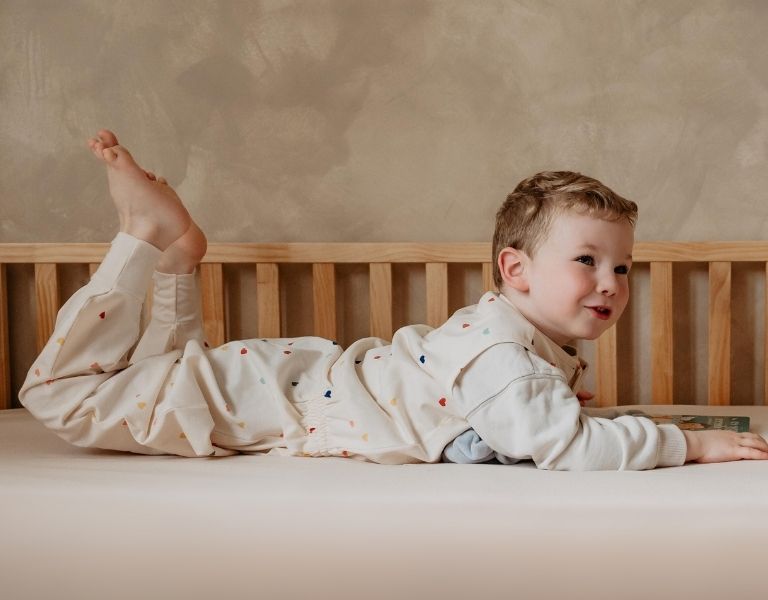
175, 297
128, 265
672, 446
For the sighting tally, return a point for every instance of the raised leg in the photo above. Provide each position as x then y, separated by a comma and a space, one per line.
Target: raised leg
82, 385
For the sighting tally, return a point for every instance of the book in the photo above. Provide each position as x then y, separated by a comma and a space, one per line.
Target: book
697, 422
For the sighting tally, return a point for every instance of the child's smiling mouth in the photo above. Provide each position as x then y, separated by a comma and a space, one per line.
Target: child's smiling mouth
601, 312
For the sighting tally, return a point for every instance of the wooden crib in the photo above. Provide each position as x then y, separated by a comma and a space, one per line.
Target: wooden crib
341, 529
435, 258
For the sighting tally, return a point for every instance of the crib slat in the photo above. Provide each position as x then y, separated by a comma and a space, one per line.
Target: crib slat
765, 348
607, 381
380, 292
719, 374
662, 365
213, 303
268, 300
324, 298
437, 293
46, 300
488, 284
5, 357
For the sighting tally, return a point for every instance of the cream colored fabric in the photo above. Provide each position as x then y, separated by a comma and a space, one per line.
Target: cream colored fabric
87, 524
486, 367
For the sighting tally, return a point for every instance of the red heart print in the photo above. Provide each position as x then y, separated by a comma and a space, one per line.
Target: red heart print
286, 351
244, 351
464, 325
102, 315
442, 401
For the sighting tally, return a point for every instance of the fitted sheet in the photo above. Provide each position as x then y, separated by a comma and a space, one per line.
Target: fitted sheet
86, 523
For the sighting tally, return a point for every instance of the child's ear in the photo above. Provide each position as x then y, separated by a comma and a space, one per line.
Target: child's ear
512, 266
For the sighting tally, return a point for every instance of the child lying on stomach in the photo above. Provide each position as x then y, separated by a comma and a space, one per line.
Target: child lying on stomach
501, 372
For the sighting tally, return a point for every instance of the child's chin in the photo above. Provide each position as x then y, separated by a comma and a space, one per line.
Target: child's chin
592, 336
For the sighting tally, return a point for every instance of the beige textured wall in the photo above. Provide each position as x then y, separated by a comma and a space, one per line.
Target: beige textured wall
387, 120
350, 120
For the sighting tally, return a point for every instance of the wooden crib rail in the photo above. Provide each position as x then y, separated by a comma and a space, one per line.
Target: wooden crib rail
435, 257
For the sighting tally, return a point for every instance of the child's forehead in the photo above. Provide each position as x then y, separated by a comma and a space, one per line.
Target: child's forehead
570, 229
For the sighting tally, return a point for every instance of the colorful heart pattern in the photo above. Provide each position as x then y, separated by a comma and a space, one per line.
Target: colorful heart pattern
328, 393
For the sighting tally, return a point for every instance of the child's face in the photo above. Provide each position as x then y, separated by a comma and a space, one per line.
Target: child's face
578, 278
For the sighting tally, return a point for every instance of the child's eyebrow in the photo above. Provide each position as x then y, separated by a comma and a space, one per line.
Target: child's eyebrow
595, 248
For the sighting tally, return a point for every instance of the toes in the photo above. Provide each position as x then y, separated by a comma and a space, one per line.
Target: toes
102, 140
107, 137
109, 154
97, 147
119, 156
151, 175
162, 180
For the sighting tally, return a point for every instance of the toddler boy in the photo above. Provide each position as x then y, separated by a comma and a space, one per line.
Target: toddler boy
502, 369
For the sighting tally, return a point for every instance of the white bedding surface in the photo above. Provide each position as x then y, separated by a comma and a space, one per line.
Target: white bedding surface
81, 523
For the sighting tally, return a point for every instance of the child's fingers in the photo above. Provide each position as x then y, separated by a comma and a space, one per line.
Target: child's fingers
756, 440
753, 454
753, 446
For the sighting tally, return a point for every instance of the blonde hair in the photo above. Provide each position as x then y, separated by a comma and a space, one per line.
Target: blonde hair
524, 219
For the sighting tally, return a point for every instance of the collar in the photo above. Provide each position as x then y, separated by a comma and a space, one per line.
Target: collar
563, 357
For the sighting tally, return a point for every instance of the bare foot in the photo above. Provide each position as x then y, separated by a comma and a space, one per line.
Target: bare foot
147, 206
183, 255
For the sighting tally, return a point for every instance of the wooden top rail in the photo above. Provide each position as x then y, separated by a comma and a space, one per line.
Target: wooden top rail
381, 252
435, 258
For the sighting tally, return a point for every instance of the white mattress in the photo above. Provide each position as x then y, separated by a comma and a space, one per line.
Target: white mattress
81, 523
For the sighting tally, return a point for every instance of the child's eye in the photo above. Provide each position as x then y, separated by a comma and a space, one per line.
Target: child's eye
587, 260
622, 270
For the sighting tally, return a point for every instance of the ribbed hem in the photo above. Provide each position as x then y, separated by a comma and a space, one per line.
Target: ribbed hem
128, 265
672, 446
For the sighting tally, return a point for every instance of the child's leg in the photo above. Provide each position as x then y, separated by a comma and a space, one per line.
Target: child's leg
82, 385
176, 313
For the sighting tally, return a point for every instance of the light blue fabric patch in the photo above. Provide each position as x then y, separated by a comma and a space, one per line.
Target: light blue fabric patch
469, 448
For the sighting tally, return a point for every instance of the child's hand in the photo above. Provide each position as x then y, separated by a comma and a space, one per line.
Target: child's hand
584, 397
723, 446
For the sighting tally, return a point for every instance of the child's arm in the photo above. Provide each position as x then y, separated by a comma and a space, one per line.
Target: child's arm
722, 446
522, 407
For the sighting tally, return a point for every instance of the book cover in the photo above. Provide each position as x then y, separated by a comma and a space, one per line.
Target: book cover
697, 422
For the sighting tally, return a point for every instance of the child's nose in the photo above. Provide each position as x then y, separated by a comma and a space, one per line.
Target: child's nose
608, 284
